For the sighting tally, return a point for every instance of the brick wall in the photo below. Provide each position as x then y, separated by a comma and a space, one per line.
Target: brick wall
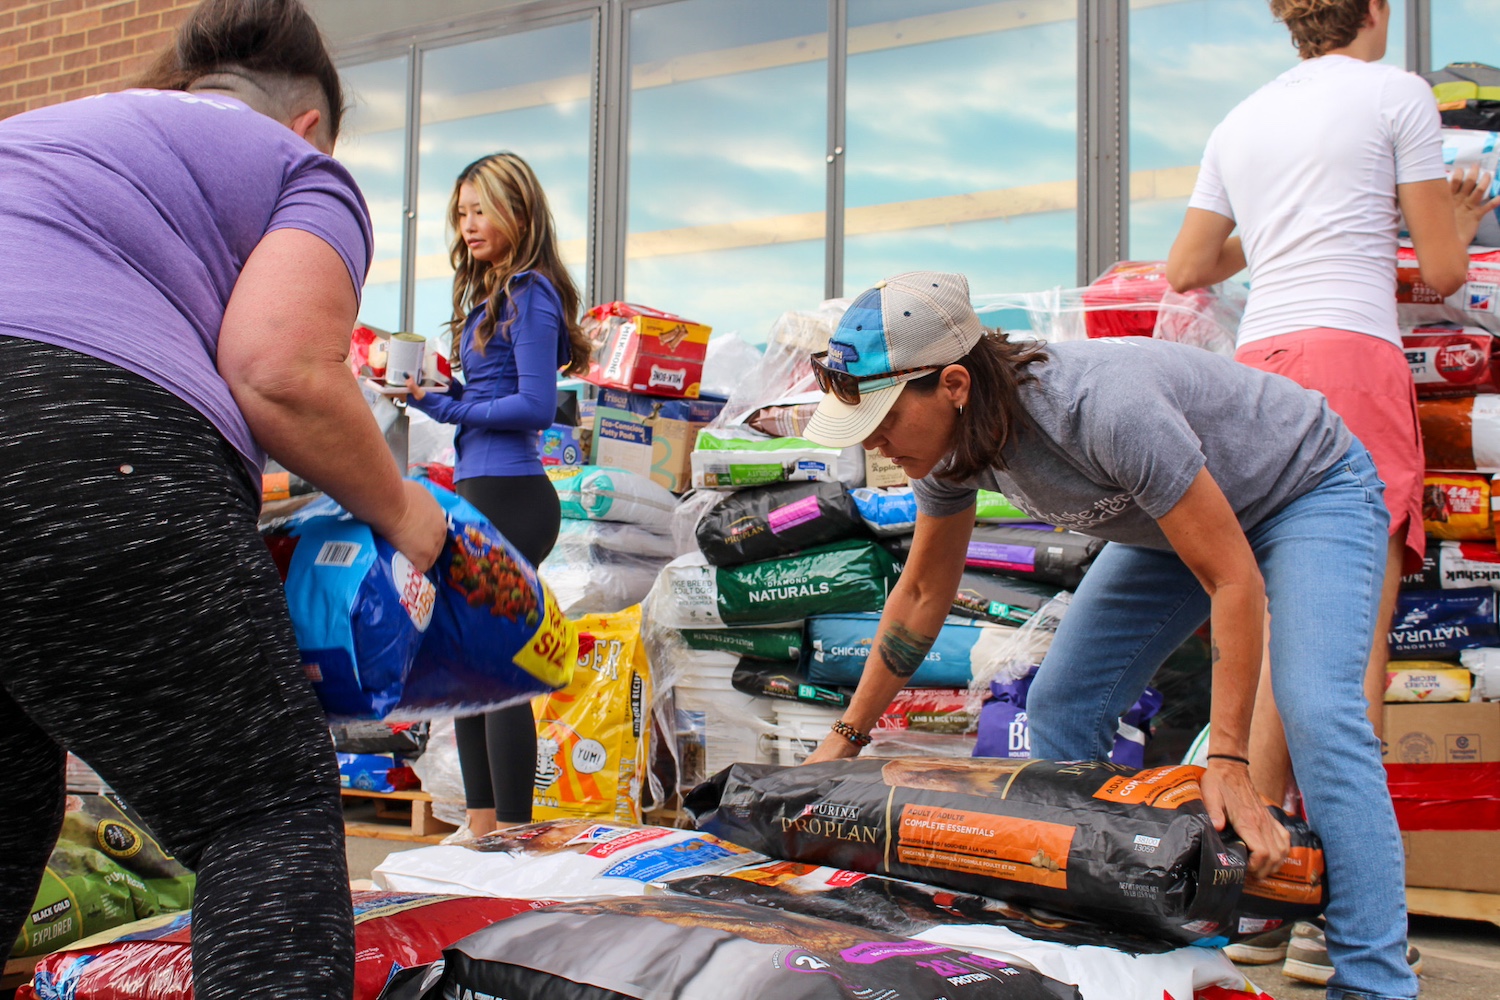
57, 50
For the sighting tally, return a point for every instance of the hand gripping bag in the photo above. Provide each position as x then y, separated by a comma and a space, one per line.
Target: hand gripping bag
768, 522
497, 637
1131, 849
359, 609
685, 948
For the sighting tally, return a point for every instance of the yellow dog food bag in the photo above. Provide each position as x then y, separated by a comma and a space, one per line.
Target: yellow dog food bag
593, 735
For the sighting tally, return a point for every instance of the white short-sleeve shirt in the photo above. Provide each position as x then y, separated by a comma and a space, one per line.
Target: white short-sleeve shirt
1307, 167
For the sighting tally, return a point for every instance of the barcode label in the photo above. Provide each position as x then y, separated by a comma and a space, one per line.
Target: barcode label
337, 554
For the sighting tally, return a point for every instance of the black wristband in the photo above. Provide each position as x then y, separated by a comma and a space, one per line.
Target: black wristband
1228, 756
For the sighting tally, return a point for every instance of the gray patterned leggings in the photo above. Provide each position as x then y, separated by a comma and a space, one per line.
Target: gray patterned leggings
145, 630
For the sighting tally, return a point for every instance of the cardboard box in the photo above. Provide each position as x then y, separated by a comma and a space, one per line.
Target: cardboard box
640, 349
650, 436
1452, 733
1452, 859
881, 473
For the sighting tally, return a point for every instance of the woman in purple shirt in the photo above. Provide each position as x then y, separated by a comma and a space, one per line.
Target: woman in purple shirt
182, 270
515, 323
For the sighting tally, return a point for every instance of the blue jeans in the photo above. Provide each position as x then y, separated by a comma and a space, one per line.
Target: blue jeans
1323, 560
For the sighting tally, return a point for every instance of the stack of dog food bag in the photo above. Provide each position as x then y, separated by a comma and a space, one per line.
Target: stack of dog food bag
1442, 711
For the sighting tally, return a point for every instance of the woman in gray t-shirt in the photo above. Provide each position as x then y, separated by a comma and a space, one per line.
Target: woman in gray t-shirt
1223, 489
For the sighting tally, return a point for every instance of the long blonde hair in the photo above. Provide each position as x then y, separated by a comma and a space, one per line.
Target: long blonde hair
514, 202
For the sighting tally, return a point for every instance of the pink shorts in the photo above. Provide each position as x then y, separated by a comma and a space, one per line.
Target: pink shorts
1366, 381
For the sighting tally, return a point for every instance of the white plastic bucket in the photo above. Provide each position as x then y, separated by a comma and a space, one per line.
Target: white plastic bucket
718, 726
800, 727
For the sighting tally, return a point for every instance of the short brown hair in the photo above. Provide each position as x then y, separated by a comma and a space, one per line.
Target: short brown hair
275, 38
1320, 26
997, 368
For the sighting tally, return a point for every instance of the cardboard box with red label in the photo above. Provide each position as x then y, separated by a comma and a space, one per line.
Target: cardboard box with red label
640, 349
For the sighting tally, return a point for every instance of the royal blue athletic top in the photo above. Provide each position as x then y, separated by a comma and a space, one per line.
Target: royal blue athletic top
509, 392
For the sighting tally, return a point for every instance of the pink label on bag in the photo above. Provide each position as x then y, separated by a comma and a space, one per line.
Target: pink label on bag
788, 517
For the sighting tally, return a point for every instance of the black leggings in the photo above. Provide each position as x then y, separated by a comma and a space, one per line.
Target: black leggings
146, 631
497, 750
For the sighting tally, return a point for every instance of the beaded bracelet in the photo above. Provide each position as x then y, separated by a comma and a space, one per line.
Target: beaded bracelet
851, 734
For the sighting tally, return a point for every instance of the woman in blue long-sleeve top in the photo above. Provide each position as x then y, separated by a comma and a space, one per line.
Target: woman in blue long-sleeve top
515, 324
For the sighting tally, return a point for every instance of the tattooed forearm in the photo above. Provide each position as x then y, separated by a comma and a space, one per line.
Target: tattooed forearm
902, 650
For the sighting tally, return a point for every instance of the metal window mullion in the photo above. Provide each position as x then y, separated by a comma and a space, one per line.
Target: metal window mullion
609, 162
1419, 35
1103, 109
409, 192
833, 239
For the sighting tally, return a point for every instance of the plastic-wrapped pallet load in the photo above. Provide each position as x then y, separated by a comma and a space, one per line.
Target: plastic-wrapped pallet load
702, 949
846, 576
593, 581
593, 737
1059, 835
152, 959
561, 859
837, 647
753, 525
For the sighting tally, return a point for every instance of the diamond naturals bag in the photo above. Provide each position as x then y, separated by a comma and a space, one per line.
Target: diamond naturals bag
773, 521
846, 576
654, 947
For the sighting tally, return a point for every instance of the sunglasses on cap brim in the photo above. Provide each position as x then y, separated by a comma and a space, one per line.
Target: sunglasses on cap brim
846, 387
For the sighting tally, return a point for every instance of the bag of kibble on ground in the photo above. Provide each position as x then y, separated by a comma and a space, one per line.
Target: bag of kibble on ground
656, 947
497, 637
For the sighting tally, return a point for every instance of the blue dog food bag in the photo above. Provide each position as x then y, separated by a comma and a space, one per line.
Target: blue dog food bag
497, 636
359, 609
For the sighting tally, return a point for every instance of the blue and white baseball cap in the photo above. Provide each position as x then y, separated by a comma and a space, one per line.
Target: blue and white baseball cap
897, 331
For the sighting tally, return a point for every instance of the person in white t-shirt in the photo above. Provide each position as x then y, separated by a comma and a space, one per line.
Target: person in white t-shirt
1317, 169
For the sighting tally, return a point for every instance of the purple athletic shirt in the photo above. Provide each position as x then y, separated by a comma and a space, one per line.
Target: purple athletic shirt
125, 220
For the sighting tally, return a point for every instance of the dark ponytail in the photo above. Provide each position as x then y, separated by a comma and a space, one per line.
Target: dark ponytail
997, 368
272, 38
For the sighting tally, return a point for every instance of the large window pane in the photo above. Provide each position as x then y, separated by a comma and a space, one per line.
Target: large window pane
1191, 62
372, 144
1465, 31
728, 124
962, 149
528, 93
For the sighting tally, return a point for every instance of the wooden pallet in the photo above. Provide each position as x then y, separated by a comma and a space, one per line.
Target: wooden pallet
17, 973
1453, 903
398, 816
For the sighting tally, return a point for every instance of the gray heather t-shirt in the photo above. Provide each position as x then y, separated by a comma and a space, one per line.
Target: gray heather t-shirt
1121, 427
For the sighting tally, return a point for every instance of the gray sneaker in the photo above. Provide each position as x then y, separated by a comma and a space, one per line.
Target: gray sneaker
1262, 949
1307, 956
